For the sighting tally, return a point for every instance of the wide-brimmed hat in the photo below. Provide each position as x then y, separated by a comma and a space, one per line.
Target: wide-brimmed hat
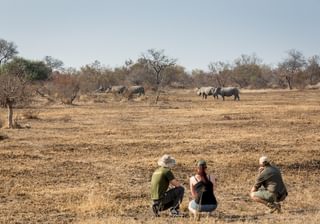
167, 161
264, 160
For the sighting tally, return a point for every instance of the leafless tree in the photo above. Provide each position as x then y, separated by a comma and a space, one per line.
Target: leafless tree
65, 87
157, 61
292, 66
7, 50
14, 90
313, 69
220, 71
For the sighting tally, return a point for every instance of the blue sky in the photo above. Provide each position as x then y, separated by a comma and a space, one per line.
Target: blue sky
196, 32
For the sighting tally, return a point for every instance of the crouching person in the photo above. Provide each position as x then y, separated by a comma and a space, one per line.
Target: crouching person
164, 197
202, 186
269, 188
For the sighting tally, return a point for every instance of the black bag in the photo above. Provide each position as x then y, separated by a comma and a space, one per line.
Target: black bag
205, 195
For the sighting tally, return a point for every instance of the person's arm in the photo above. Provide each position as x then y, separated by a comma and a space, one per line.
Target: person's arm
172, 180
175, 183
213, 181
192, 189
261, 168
259, 181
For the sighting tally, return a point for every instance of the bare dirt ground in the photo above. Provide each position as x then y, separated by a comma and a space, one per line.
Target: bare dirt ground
92, 162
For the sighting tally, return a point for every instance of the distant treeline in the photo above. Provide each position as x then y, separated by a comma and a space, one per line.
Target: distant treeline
247, 71
21, 79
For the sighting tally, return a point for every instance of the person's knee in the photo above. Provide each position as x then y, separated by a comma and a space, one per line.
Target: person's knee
179, 191
252, 196
215, 207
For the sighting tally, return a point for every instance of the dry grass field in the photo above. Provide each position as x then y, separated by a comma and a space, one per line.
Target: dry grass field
92, 162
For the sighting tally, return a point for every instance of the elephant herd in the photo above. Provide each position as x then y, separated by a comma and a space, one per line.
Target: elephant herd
216, 91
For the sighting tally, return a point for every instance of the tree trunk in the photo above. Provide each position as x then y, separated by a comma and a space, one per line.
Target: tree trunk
289, 81
219, 81
10, 115
158, 95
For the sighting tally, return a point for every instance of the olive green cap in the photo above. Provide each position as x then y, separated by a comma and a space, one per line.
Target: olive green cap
202, 163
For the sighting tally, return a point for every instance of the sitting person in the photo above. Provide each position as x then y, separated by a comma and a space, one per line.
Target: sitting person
162, 196
202, 190
269, 188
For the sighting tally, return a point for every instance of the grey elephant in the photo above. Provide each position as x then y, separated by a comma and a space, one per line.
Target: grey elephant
206, 91
227, 91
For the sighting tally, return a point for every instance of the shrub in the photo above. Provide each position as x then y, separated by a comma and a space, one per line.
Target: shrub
30, 114
65, 87
3, 137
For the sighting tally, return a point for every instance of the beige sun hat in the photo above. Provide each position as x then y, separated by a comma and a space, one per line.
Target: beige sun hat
263, 160
167, 161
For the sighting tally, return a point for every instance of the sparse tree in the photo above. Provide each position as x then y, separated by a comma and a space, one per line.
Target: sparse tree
313, 69
201, 78
53, 63
292, 66
14, 90
128, 63
65, 87
221, 72
33, 70
157, 62
248, 71
176, 77
267, 77
7, 51
139, 75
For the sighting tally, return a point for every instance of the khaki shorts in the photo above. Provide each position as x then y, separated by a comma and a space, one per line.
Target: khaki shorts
265, 195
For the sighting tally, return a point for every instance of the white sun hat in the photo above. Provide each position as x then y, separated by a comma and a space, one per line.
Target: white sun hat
167, 161
263, 159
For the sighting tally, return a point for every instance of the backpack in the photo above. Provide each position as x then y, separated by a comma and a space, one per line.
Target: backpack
205, 193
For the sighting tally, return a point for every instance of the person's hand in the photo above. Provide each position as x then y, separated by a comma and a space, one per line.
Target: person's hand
253, 189
261, 168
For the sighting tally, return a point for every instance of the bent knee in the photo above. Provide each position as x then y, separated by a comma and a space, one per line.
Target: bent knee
252, 195
180, 190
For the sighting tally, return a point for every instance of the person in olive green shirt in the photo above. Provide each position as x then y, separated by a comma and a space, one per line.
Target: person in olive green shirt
162, 197
269, 188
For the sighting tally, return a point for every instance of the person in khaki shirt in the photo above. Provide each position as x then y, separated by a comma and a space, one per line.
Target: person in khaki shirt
162, 196
269, 188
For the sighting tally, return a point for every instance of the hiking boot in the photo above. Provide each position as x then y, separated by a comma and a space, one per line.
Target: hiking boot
274, 207
155, 210
176, 213
278, 206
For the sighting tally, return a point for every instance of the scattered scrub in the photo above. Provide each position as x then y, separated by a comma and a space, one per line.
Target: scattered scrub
30, 114
3, 137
